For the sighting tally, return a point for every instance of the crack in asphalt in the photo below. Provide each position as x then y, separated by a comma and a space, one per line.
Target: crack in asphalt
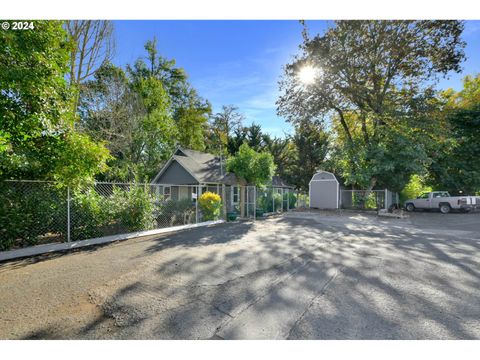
280, 282
320, 293
259, 298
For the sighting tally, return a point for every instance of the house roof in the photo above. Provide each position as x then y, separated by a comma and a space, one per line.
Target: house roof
278, 181
232, 179
205, 168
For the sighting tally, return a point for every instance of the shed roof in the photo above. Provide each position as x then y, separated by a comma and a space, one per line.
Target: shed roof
323, 176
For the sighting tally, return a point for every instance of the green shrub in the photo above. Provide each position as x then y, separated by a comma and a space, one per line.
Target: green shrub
415, 187
95, 215
90, 213
175, 212
210, 204
268, 200
360, 200
134, 208
290, 200
30, 211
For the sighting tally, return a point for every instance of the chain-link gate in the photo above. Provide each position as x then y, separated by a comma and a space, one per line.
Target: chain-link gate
363, 199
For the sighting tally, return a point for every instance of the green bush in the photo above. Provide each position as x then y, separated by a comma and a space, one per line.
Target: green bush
30, 211
267, 201
360, 200
415, 187
95, 215
175, 212
90, 213
134, 208
290, 200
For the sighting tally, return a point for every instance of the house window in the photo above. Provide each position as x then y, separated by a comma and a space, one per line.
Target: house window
167, 191
235, 194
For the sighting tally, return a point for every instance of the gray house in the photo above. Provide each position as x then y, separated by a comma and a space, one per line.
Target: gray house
189, 173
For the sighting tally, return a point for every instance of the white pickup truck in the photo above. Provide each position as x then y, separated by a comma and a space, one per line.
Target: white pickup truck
443, 201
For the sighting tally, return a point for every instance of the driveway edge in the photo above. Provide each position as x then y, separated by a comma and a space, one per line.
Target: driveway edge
49, 248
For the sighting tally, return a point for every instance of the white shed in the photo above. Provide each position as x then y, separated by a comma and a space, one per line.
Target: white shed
324, 191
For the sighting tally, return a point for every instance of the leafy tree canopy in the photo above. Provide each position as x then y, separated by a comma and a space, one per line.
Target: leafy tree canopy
37, 135
222, 127
256, 168
311, 144
376, 80
456, 165
189, 111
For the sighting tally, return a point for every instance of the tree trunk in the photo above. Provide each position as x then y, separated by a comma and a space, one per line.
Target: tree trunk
373, 182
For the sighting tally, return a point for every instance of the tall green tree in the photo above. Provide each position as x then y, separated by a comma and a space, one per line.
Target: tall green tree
189, 111
311, 145
156, 138
456, 164
192, 121
236, 140
111, 111
252, 135
257, 168
255, 137
221, 129
36, 115
283, 153
377, 77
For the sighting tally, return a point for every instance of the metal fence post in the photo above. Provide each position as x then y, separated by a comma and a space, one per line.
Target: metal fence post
247, 202
386, 198
68, 214
273, 200
254, 203
224, 202
196, 205
288, 200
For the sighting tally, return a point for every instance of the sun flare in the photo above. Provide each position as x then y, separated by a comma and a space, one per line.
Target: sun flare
307, 74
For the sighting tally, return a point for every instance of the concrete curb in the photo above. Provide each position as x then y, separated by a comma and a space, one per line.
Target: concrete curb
48, 248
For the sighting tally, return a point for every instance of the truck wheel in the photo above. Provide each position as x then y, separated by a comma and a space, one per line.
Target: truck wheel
410, 207
445, 208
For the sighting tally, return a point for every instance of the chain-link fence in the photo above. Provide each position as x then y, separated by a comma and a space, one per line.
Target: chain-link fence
302, 200
367, 199
39, 212
36, 212
277, 199
32, 212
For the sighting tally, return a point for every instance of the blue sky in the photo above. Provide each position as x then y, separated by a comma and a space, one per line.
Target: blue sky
240, 62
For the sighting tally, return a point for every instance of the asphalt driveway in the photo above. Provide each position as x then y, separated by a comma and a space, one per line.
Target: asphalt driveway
299, 276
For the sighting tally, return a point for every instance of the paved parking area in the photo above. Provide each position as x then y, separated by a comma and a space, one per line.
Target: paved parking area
298, 276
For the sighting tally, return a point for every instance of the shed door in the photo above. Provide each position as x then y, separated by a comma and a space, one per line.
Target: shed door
324, 194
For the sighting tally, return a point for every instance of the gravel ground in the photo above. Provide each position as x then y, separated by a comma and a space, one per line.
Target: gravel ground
311, 275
